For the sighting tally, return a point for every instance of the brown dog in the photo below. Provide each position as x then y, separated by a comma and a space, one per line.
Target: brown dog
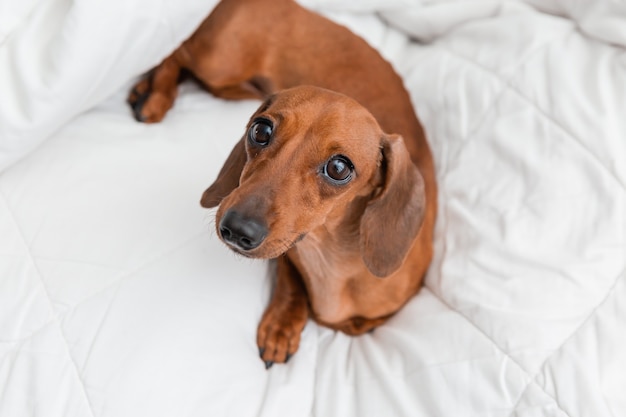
346, 210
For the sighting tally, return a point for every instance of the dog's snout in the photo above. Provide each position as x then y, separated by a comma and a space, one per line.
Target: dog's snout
241, 231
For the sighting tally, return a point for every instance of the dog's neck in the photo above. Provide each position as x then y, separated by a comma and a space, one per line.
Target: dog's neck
329, 260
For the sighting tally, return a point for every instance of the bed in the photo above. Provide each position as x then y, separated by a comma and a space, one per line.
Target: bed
118, 299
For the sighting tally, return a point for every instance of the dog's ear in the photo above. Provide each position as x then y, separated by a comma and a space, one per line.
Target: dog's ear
228, 178
394, 215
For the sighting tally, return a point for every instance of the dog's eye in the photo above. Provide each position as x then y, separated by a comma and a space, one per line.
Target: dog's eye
339, 169
260, 132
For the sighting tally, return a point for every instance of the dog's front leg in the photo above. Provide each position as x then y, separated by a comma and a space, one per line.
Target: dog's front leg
278, 334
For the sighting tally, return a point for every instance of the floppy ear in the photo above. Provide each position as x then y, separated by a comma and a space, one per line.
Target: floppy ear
392, 218
228, 178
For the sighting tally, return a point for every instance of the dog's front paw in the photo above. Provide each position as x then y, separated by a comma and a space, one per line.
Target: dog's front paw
278, 335
149, 106
137, 98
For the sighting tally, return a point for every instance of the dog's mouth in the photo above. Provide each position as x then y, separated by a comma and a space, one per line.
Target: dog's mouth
266, 250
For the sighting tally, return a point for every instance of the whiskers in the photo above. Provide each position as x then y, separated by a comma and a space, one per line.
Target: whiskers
209, 222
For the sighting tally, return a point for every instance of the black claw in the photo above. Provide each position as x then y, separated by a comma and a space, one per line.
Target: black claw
132, 96
289, 355
268, 364
140, 117
261, 352
137, 106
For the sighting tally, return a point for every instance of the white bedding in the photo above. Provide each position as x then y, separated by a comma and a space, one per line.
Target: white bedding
117, 299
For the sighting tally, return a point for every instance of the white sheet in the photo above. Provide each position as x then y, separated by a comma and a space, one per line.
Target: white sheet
59, 58
117, 299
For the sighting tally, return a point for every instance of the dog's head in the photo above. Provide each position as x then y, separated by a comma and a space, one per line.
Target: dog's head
312, 157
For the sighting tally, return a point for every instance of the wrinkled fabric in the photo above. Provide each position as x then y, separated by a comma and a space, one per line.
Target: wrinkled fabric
117, 298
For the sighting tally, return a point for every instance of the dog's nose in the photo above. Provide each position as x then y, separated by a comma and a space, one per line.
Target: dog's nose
241, 231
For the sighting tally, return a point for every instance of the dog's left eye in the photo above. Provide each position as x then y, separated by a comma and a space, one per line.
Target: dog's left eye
338, 169
260, 133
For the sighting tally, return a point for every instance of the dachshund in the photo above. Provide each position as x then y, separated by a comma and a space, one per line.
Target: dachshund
333, 177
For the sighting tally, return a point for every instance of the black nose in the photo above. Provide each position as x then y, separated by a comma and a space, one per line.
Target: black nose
241, 231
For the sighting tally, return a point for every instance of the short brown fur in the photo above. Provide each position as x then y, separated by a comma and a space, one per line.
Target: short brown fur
349, 256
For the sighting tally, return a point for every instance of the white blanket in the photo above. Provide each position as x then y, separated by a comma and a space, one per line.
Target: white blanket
117, 299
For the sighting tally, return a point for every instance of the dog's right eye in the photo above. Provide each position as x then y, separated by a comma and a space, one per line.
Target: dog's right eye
260, 133
338, 169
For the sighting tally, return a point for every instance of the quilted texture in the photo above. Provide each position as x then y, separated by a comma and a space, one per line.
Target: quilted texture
117, 299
